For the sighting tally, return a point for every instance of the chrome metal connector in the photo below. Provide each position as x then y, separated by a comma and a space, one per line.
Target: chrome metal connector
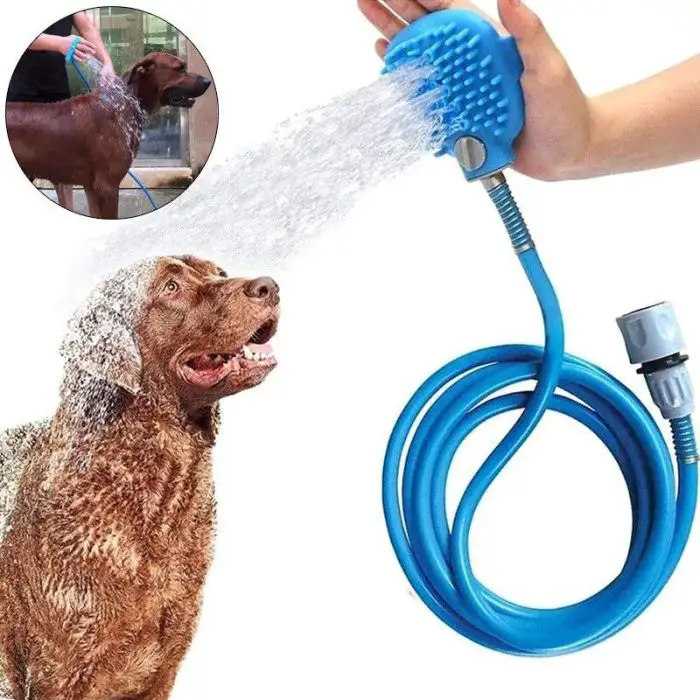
491, 182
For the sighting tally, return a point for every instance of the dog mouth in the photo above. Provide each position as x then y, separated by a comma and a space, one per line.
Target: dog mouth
185, 96
255, 357
178, 98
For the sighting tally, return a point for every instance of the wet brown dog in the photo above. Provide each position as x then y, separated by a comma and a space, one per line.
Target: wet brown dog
103, 561
91, 140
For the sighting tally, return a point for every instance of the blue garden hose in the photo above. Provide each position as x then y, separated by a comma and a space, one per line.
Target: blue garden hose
467, 392
70, 58
437, 561
143, 188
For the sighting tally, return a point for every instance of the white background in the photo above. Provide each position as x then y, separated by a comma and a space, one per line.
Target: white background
305, 598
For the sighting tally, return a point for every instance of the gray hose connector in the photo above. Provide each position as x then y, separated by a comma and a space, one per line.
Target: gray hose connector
654, 340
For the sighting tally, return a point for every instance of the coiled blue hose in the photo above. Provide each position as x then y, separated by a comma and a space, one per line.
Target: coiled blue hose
461, 397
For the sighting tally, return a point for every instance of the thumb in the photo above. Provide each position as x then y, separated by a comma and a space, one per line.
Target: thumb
534, 43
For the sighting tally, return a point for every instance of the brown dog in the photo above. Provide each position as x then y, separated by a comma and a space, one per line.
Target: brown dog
92, 140
109, 536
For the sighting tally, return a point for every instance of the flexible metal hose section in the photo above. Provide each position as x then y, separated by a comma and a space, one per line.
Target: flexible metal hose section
460, 397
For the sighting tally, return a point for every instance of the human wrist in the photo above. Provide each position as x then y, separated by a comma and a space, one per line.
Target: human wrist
590, 157
63, 43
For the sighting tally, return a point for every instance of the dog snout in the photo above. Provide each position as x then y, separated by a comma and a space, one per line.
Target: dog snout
203, 84
263, 289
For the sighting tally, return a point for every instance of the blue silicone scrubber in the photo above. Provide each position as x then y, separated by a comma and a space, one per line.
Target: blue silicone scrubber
478, 72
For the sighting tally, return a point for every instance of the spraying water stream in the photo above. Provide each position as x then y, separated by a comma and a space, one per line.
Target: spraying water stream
116, 96
260, 206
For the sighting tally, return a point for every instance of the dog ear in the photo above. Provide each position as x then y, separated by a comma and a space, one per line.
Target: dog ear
140, 69
101, 337
99, 343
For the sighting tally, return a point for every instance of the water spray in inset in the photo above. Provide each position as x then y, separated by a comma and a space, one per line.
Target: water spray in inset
116, 96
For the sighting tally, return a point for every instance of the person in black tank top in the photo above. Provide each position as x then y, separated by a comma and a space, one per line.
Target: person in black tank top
40, 75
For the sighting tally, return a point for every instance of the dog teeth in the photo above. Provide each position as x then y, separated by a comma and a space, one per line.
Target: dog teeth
256, 356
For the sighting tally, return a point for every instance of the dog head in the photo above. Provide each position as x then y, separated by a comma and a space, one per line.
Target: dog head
176, 323
162, 80
207, 334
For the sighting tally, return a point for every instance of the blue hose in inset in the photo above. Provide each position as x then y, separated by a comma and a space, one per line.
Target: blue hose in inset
466, 393
143, 188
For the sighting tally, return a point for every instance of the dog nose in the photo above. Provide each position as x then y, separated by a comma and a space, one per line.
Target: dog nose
263, 288
204, 83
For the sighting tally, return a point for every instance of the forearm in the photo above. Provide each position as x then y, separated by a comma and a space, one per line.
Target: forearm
46, 42
647, 125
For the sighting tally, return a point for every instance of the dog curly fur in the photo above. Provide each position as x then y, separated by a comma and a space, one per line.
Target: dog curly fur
110, 504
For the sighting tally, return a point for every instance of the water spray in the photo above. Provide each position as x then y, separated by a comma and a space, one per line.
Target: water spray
482, 111
71, 60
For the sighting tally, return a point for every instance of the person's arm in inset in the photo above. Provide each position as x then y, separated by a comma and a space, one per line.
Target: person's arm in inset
84, 51
568, 135
89, 32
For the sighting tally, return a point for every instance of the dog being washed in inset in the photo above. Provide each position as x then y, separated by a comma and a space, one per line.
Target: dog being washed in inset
90, 141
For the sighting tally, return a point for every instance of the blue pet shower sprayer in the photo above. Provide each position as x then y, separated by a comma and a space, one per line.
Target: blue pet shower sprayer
478, 73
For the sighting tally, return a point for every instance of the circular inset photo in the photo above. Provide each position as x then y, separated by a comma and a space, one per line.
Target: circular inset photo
111, 112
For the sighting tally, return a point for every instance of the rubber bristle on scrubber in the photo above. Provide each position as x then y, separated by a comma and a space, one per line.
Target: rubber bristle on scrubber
476, 73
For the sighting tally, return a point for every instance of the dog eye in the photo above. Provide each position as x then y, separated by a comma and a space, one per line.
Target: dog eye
222, 273
172, 286
182, 69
